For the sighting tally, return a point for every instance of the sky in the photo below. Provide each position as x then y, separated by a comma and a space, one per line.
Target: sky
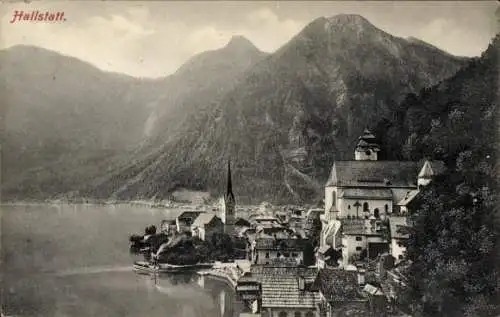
153, 39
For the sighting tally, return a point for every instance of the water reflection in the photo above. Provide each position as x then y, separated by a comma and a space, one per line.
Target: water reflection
74, 261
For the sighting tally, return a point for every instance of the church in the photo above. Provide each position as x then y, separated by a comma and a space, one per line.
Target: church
361, 193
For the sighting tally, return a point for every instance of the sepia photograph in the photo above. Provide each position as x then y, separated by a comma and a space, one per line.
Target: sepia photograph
249, 159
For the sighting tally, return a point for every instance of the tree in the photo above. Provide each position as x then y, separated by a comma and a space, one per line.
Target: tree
452, 248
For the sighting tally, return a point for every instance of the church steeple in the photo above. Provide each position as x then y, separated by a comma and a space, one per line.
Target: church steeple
229, 189
367, 148
229, 204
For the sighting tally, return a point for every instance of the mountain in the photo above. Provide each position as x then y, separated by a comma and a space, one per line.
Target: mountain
290, 115
67, 123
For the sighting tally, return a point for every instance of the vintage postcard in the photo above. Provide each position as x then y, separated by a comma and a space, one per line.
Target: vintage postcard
258, 158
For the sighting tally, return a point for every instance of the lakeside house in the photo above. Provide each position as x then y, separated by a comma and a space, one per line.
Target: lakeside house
264, 250
206, 225
185, 220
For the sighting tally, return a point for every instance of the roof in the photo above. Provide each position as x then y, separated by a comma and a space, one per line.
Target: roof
372, 290
280, 286
324, 249
410, 195
431, 168
397, 223
337, 285
242, 222
279, 244
189, 214
426, 171
359, 227
379, 173
373, 174
362, 193
204, 219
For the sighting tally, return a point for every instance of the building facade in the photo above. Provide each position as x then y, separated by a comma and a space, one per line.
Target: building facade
362, 194
206, 225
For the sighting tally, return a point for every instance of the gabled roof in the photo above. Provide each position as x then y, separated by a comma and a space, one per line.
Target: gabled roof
284, 245
337, 285
204, 219
360, 227
366, 193
372, 290
280, 286
189, 214
429, 168
373, 174
397, 226
410, 195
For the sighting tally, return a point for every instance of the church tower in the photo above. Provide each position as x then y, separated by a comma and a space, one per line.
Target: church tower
229, 204
367, 148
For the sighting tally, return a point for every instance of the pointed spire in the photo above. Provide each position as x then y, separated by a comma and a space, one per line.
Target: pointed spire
426, 171
229, 191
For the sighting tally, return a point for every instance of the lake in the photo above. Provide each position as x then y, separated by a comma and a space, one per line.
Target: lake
74, 260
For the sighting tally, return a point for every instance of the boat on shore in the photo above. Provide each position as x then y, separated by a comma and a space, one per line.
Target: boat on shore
143, 267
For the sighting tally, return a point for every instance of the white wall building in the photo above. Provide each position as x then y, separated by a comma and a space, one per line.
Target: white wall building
369, 189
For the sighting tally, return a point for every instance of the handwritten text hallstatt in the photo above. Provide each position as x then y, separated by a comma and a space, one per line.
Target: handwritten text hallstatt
32, 16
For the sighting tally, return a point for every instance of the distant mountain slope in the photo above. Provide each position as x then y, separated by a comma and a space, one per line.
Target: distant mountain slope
445, 120
291, 115
68, 123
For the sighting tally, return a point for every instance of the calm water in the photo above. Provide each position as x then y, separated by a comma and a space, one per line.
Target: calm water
74, 261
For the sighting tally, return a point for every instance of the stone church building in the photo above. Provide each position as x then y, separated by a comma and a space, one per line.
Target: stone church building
360, 194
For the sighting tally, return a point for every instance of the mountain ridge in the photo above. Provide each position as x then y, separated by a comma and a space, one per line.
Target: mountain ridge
294, 112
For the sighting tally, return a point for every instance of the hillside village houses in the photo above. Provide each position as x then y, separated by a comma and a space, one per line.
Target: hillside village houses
363, 195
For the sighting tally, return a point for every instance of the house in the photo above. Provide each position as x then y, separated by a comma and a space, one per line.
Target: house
168, 226
283, 290
185, 220
363, 238
206, 225
339, 294
264, 250
404, 205
398, 236
376, 299
241, 224
296, 223
326, 257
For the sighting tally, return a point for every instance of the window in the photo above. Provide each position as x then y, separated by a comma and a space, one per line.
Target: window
349, 207
294, 254
334, 199
359, 239
267, 255
282, 314
278, 255
297, 314
365, 206
386, 208
376, 213
359, 248
286, 254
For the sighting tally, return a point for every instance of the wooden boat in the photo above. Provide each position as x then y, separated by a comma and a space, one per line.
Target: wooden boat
143, 267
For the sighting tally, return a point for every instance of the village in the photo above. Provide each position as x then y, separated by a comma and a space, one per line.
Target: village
343, 258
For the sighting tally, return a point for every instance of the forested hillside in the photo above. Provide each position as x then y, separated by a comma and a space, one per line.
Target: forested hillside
454, 245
